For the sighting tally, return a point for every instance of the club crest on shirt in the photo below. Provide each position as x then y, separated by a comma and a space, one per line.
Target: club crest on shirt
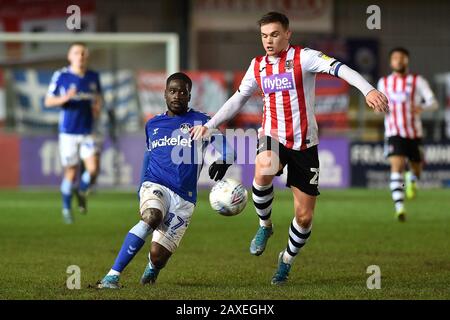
184, 127
289, 64
92, 86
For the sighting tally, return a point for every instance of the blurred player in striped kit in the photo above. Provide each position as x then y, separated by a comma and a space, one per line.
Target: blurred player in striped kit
77, 91
409, 95
288, 135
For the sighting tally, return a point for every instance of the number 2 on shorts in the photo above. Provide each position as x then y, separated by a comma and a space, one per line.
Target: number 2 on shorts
315, 178
169, 220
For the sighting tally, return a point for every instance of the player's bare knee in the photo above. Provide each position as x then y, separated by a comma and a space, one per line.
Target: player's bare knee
260, 180
263, 180
304, 217
152, 216
267, 166
93, 172
70, 173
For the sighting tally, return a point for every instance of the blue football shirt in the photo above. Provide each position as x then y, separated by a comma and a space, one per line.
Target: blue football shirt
174, 160
76, 115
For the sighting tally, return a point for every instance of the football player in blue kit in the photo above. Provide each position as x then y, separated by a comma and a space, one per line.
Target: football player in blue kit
169, 176
78, 92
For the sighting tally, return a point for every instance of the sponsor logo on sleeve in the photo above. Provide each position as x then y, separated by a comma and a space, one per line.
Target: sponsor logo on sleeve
324, 56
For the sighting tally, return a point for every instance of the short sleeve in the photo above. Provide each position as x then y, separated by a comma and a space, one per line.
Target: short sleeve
53, 88
423, 88
147, 125
318, 62
248, 84
380, 85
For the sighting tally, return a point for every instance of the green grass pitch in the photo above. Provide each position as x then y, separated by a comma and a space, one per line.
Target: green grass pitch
353, 229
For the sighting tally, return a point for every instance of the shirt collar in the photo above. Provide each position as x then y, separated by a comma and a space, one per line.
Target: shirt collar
188, 110
275, 59
69, 68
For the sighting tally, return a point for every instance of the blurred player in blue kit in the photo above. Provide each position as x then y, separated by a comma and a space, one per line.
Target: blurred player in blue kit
77, 91
169, 176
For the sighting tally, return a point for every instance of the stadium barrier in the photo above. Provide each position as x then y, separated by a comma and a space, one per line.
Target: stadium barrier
34, 161
370, 169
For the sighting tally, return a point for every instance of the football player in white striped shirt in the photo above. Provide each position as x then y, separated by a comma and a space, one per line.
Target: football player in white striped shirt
409, 94
288, 135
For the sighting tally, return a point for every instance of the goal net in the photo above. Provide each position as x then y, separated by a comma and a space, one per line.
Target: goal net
28, 60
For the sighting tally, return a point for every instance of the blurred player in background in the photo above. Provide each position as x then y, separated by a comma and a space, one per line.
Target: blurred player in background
77, 91
409, 94
168, 189
288, 136
98, 137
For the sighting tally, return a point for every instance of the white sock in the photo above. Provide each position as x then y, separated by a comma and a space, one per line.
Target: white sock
399, 206
113, 273
397, 187
142, 230
265, 223
287, 258
297, 239
262, 199
413, 177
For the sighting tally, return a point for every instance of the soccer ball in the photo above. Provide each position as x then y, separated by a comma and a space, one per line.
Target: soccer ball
228, 197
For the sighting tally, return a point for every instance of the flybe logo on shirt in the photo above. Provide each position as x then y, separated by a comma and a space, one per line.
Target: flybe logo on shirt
171, 142
277, 82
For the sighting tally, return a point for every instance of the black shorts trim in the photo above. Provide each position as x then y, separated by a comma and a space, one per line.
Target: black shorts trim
399, 146
302, 165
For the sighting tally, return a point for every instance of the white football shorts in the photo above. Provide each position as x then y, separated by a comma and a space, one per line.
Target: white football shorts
98, 143
72, 147
177, 213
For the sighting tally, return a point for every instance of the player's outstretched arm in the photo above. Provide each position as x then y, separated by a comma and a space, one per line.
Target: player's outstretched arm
374, 98
429, 100
315, 61
225, 113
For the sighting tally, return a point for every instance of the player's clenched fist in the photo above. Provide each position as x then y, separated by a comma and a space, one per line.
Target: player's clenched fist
377, 101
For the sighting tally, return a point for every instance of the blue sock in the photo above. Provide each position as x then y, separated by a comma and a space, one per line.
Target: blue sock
85, 181
133, 242
66, 191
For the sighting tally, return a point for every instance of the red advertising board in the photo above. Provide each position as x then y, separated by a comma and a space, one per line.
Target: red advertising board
9, 161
